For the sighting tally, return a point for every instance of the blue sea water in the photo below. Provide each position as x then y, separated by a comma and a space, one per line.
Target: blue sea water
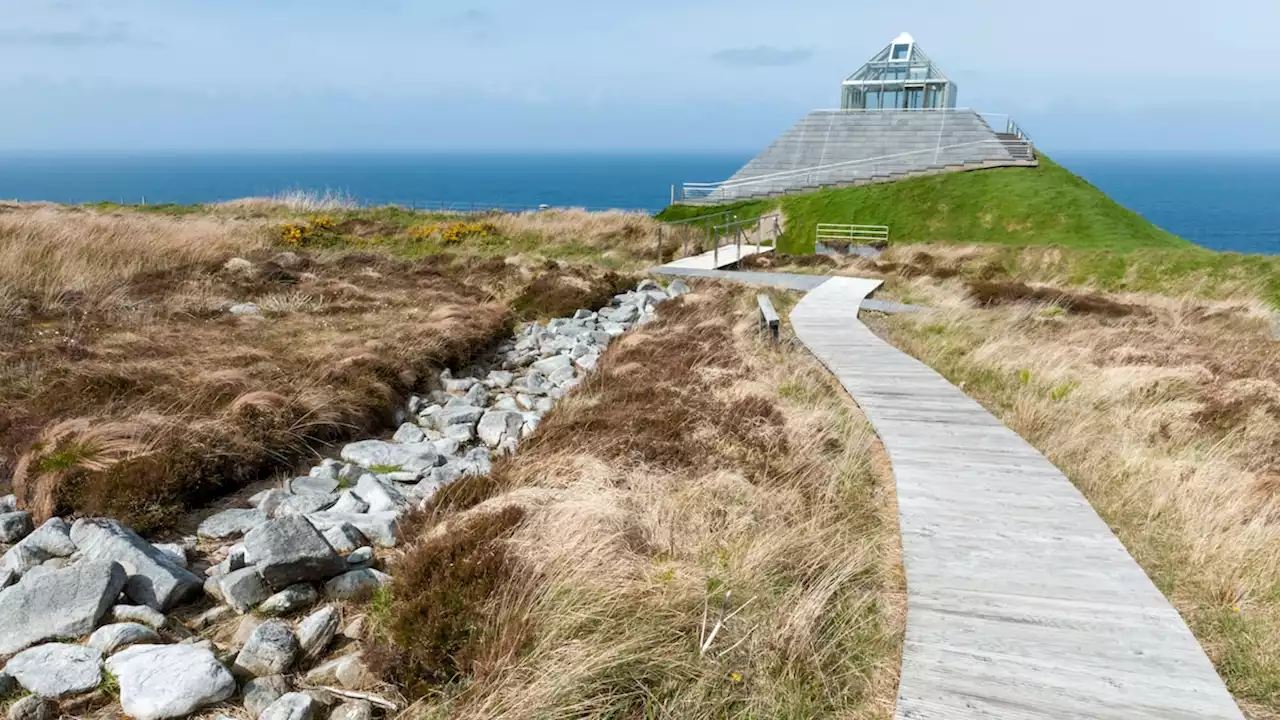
1224, 203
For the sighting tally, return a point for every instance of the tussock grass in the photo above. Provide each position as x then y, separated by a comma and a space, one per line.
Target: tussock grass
126, 389
1168, 420
52, 258
700, 471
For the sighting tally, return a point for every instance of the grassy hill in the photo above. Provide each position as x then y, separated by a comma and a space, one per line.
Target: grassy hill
1047, 205
1052, 225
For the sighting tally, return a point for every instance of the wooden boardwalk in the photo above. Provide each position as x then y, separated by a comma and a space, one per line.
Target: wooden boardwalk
1021, 603
722, 256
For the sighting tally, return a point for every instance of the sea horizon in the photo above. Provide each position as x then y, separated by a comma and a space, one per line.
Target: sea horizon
1220, 200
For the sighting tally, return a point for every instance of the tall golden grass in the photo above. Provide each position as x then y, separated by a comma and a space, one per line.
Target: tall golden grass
1168, 421
706, 530
58, 256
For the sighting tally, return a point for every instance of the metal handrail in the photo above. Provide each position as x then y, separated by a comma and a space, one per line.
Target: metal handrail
757, 179
838, 231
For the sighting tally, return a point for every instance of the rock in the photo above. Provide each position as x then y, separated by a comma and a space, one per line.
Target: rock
174, 551
270, 650
237, 265
587, 362
499, 379
460, 433
354, 629
211, 617
56, 669
260, 692
348, 474
622, 315
137, 613
8, 576
110, 638
242, 589
327, 484
290, 550
8, 503
304, 503
409, 433
506, 402
328, 469
352, 710
477, 461
290, 706
317, 631
289, 599
348, 585
446, 448
229, 524
233, 561
380, 496
382, 528
563, 376
349, 671
63, 603
268, 500
361, 557
154, 579
248, 624
498, 425
8, 685
390, 457
50, 540
54, 537
169, 681
349, 502
244, 309
459, 412
14, 526
32, 707
677, 288
478, 395
344, 538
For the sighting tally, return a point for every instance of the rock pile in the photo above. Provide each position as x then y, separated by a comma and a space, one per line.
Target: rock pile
81, 598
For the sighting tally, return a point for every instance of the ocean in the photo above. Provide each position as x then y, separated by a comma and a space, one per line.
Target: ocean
1223, 203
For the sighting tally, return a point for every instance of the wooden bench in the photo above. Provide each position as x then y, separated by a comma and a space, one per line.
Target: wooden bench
768, 316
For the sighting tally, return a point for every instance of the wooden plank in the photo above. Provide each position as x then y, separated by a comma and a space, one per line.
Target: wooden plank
768, 316
1021, 602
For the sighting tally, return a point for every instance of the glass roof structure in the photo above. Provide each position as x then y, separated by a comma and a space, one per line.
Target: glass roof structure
899, 77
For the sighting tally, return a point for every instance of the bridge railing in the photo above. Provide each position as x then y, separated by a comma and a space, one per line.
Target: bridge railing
854, 170
853, 234
706, 233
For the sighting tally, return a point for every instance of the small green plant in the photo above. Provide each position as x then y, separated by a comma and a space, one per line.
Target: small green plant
1061, 392
383, 469
1024, 377
1053, 311
934, 329
110, 685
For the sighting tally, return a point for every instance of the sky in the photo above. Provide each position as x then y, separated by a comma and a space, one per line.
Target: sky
558, 75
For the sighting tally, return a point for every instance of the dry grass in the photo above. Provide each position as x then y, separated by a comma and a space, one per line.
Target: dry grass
126, 388
700, 471
296, 201
53, 258
1169, 420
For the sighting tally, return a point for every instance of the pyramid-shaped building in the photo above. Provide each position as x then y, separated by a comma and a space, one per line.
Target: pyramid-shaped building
897, 119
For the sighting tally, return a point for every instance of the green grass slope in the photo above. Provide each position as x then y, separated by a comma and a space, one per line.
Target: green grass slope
1047, 205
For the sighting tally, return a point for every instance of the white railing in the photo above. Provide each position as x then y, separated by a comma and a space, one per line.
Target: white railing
853, 170
860, 234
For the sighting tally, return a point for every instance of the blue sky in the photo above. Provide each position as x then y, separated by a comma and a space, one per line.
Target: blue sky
591, 75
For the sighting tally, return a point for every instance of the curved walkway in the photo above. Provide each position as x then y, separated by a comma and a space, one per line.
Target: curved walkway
1021, 603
